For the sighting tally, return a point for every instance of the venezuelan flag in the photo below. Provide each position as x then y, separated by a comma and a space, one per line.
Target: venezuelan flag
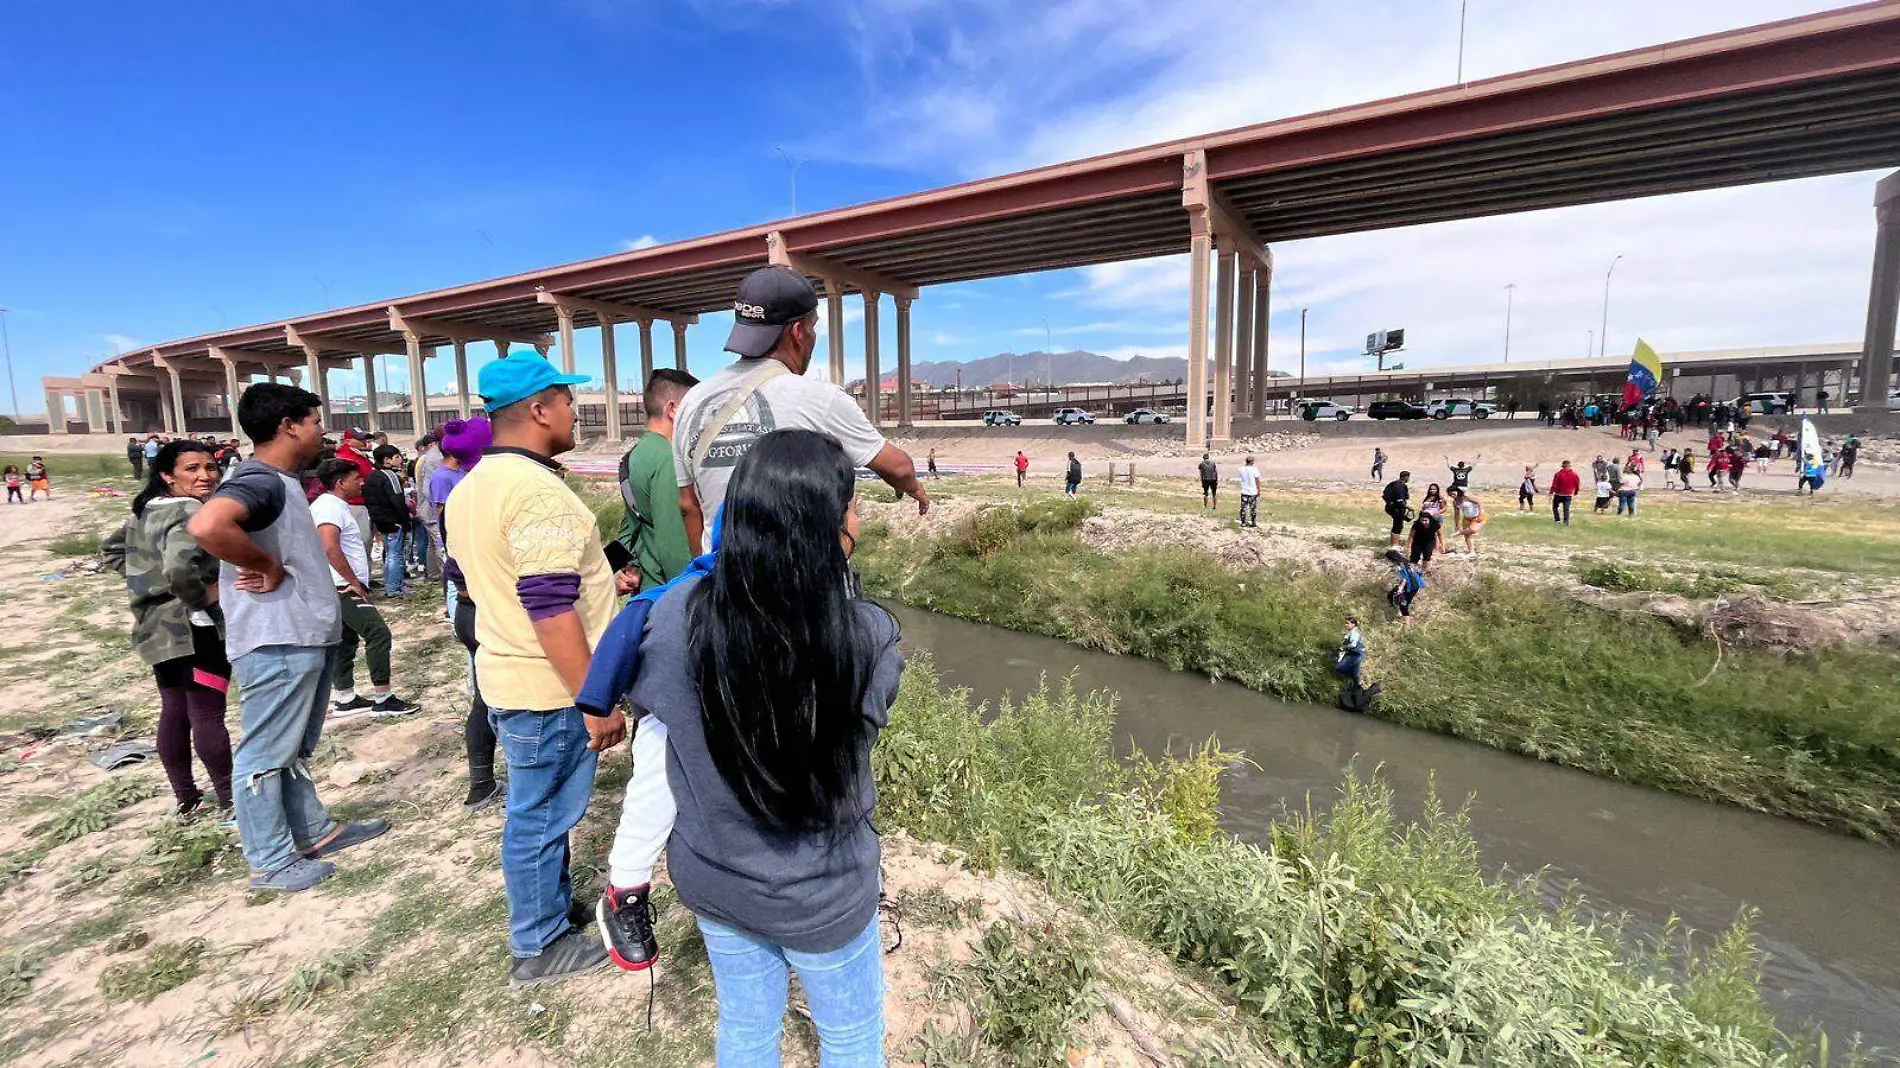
1646, 372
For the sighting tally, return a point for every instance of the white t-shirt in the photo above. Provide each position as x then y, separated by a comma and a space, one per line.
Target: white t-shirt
785, 402
1249, 481
1603, 487
329, 510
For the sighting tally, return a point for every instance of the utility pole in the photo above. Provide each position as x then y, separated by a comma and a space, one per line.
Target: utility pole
792, 166
1461, 40
1603, 335
1302, 352
7, 342
1509, 292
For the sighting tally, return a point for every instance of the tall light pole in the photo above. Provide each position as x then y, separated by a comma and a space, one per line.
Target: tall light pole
1510, 291
1048, 356
1603, 334
7, 343
1461, 40
792, 166
1302, 353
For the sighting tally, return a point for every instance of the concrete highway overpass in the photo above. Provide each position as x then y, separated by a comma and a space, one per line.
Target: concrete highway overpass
1803, 97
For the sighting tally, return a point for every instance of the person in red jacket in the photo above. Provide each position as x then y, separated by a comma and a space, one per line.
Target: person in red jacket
354, 442
1563, 488
1022, 467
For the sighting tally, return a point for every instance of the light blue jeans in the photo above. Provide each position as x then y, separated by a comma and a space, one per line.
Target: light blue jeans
845, 989
550, 779
283, 691
392, 562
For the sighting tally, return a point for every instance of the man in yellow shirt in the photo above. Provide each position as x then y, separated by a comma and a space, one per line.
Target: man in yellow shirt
532, 558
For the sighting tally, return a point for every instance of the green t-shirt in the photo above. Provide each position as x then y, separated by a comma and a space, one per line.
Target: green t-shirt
659, 545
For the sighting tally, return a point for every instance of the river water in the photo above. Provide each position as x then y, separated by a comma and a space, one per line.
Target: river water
1829, 905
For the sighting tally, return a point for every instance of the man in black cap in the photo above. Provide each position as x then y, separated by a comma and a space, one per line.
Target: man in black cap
774, 331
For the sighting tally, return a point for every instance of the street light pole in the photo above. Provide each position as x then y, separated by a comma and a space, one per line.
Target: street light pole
1461, 40
1603, 335
7, 343
792, 166
1510, 291
1302, 353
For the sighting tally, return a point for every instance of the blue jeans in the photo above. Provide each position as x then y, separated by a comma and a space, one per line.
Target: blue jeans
550, 778
283, 691
1625, 502
392, 562
845, 989
418, 544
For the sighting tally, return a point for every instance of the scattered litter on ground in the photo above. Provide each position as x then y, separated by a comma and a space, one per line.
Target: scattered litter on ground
90, 726
124, 754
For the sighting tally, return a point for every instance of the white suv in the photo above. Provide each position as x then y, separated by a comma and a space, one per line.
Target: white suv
1314, 410
1067, 416
1445, 409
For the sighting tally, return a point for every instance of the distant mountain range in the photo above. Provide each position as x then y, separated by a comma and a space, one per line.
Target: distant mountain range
1056, 369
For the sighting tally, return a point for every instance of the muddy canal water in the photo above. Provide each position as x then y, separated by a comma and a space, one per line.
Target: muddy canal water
1829, 905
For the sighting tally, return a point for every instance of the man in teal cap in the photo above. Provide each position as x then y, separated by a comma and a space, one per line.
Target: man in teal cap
532, 558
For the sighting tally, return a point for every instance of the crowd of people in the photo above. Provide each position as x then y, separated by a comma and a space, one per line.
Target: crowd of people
758, 675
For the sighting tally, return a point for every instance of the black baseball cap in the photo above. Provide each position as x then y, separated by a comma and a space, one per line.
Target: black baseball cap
770, 299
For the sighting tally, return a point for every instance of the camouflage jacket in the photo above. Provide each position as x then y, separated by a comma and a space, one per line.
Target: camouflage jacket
167, 577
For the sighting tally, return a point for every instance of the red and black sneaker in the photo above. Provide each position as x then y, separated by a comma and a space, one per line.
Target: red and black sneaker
626, 927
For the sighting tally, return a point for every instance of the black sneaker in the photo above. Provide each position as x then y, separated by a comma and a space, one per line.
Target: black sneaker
480, 797
355, 706
574, 953
391, 705
626, 927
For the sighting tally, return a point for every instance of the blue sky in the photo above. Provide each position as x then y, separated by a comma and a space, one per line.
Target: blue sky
173, 169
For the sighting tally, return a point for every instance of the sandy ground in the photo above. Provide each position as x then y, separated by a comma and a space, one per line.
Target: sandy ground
411, 772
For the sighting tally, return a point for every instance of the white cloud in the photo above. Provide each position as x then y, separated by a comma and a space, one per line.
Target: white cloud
987, 86
121, 342
638, 243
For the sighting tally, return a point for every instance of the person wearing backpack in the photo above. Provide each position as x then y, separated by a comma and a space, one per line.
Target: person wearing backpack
653, 529
1406, 582
1072, 481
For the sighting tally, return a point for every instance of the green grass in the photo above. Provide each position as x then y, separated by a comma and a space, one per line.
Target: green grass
1846, 536
74, 544
1357, 938
168, 966
1512, 666
69, 470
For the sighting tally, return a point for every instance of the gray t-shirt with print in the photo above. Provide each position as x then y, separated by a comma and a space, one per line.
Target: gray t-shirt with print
302, 610
784, 402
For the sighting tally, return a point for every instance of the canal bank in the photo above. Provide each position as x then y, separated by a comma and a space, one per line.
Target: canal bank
1833, 943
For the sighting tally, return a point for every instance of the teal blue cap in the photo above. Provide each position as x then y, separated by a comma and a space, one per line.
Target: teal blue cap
518, 376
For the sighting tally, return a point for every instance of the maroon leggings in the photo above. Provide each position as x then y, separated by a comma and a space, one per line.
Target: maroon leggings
188, 716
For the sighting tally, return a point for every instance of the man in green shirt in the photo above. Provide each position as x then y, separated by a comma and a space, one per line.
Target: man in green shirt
652, 528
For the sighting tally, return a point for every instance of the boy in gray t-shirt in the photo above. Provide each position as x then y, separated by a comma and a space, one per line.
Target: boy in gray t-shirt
281, 626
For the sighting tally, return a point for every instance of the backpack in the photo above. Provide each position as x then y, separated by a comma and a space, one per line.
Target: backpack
1411, 579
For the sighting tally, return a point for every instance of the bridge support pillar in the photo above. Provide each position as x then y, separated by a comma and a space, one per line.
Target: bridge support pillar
903, 360
1262, 308
418, 385
679, 345
1202, 247
1883, 299
462, 405
373, 409
646, 356
873, 374
1226, 268
1243, 343
610, 372
834, 329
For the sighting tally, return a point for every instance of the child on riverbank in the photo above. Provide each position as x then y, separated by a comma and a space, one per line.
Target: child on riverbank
36, 477
15, 481
1527, 491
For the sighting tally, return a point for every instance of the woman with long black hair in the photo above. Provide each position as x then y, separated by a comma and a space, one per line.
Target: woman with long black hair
176, 626
772, 679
